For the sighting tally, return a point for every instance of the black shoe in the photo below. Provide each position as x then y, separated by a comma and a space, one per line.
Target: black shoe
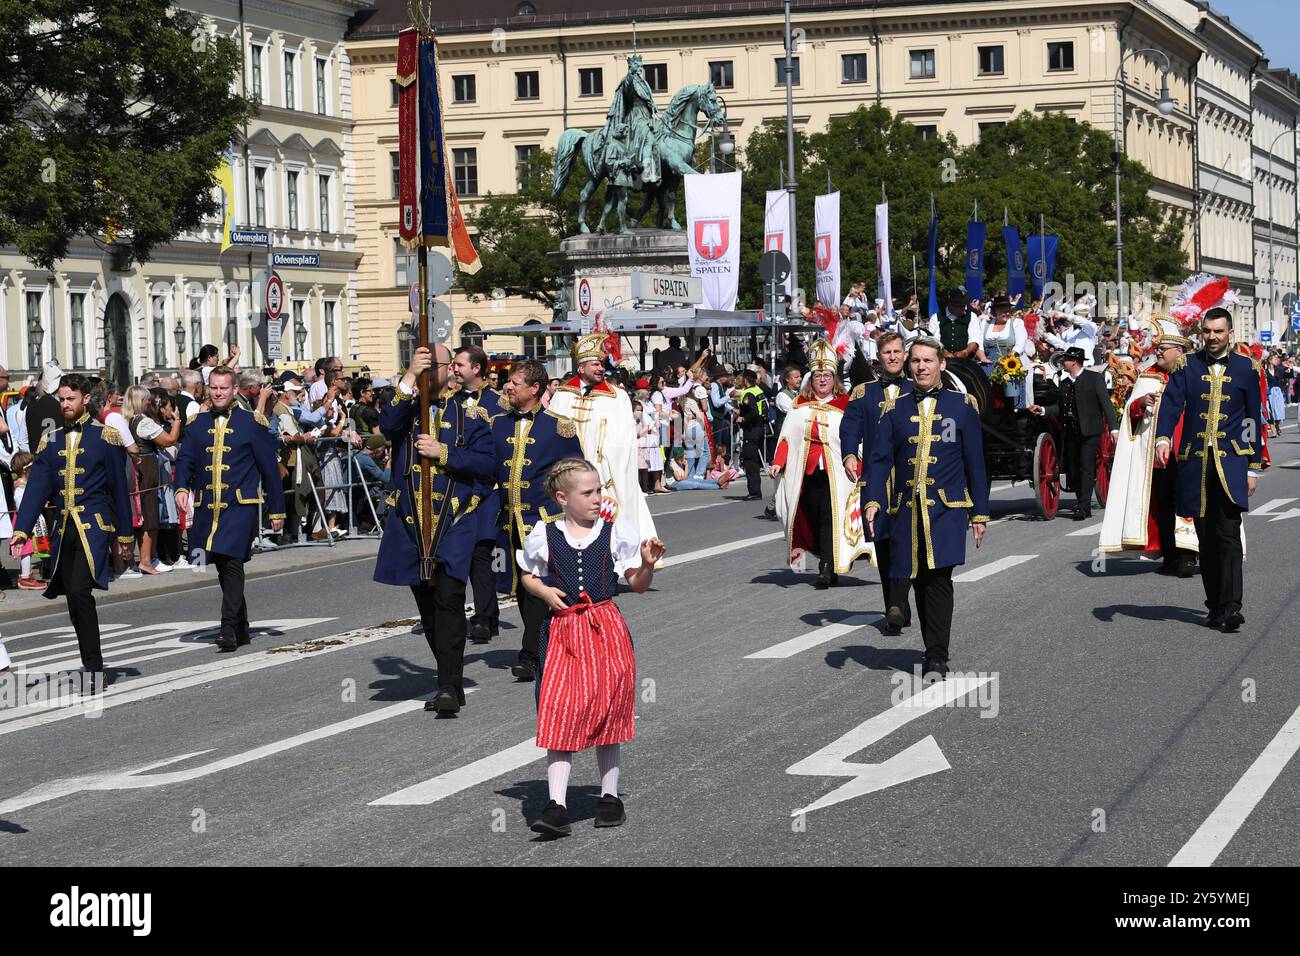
524, 671
752, 498
243, 640
446, 702
609, 812
891, 630
769, 513
480, 634
1168, 569
554, 821
823, 581
1213, 619
1232, 622
932, 671
896, 618
1081, 514
227, 643
1187, 569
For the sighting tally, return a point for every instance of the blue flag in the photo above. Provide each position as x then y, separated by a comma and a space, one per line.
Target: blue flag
975, 234
934, 243
1015, 262
435, 223
1042, 261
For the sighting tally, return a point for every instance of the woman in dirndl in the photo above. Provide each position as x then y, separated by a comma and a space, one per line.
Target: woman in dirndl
587, 692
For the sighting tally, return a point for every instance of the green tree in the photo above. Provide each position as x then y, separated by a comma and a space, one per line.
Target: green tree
113, 117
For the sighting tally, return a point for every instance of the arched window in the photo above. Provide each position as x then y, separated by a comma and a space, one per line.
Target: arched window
534, 345
471, 334
525, 9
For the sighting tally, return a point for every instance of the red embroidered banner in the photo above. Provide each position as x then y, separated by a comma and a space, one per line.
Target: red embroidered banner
408, 133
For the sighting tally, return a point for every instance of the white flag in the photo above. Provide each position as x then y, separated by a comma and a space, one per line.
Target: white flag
884, 286
713, 229
776, 226
826, 250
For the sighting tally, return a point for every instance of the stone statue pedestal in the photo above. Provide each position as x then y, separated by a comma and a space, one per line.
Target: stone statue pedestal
606, 262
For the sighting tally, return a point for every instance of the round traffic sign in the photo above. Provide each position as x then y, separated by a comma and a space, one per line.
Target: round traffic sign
584, 297
274, 296
438, 268
774, 266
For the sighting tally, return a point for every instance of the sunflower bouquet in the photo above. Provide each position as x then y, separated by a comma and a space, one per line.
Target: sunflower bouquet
1008, 369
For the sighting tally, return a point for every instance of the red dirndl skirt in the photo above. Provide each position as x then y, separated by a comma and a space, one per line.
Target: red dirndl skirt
588, 693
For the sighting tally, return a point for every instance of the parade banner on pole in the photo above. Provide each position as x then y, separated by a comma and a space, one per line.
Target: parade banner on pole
713, 228
408, 135
435, 219
1043, 260
1015, 262
884, 283
776, 226
975, 235
462, 247
226, 180
933, 246
826, 251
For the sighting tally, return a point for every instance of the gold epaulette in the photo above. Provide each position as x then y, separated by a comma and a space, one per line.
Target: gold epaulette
567, 427
45, 440
477, 411
1181, 363
261, 419
858, 392
113, 437
1255, 364
971, 400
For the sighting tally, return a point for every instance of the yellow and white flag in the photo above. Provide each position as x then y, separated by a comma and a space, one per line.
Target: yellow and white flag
226, 180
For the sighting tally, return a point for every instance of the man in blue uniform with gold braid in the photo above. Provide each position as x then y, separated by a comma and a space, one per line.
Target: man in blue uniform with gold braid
469, 366
80, 469
1217, 392
459, 454
226, 471
528, 441
931, 444
867, 403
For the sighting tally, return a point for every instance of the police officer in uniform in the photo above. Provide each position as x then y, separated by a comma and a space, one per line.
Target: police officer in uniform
469, 366
459, 453
80, 469
930, 442
528, 440
857, 436
228, 453
752, 411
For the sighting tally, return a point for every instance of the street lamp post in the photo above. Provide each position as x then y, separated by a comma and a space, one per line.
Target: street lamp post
299, 336
35, 336
1165, 105
790, 185
178, 334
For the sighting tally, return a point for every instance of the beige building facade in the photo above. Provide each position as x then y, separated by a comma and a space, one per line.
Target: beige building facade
293, 177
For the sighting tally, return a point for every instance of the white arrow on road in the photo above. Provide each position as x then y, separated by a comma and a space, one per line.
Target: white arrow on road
1268, 507
919, 760
1293, 513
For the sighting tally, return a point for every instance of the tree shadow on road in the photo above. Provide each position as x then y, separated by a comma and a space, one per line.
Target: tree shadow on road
533, 795
785, 578
1149, 612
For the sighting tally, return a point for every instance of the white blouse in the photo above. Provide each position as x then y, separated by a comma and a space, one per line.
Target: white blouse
535, 556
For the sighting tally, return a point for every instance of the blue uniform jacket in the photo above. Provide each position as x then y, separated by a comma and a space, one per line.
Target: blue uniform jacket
527, 447
462, 478
88, 486
228, 465
485, 515
938, 461
1221, 430
858, 433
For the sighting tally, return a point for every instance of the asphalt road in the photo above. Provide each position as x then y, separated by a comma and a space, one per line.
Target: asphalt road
1089, 720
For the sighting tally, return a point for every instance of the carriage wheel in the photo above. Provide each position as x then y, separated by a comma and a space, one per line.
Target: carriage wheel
1105, 460
1046, 477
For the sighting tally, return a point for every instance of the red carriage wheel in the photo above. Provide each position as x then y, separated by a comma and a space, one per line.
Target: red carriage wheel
1105, 460
1047, 479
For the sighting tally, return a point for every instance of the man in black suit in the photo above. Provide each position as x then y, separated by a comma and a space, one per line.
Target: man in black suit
1084, 408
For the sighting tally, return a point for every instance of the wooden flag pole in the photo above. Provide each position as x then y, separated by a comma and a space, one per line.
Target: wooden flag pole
426, 428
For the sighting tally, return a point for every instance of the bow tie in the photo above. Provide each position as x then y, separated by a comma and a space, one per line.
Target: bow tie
922, 393
520, 416
885, 380
72, 428
1221, 360
224, 413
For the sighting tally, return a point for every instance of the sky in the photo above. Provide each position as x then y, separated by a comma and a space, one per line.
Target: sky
1274, 24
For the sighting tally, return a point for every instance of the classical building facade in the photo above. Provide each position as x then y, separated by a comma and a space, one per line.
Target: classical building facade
1274, 106
293, 177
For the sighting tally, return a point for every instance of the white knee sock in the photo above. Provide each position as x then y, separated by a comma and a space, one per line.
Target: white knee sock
607, 761
558, 765
27, 566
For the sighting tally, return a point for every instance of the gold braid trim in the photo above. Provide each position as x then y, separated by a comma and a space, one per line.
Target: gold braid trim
567, 427
261, 419
858, 392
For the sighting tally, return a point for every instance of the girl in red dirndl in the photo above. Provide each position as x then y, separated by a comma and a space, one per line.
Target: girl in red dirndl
587, 692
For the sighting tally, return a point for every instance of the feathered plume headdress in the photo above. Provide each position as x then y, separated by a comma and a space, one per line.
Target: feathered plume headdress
1196, 296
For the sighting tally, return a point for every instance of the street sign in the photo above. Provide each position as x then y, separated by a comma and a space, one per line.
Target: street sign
665, 288
1266, 335
438, 268
1295, 323
249, 237
584, 298
274, 298
774, 267
274, 340
296, 260
440, 321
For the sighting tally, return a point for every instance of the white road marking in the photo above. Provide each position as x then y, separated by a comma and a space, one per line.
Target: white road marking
919, 760
462, 778
682, 511
814, 638
1220, 826
993, 567
137, 780
162, 634
672, 561
1269, 507
1089, 531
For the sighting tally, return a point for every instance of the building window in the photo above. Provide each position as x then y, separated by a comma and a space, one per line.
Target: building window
991, 63
34, 358
322, 71
291, 197
722, 74
464, 88
854, 67
922, 64
591, 81
325, 204
1060, 56
196, 325
525, 9
290, 68
780, 71
527, 86
523, 157
232, 322
255, 61
465, 167
77, 311
394, 160
259, 195
299, 329
471, 334
984, 127
330, 337
158, 306
656, 74
534, 345
927, 132
406, 265
395, 91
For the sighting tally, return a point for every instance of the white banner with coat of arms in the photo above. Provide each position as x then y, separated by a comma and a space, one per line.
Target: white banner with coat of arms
826, 251
713, 229
776, 226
